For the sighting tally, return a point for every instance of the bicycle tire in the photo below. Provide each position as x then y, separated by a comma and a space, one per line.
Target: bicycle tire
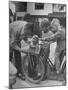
26, 74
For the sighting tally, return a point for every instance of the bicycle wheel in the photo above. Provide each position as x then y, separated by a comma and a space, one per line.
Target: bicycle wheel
33, 68
63, 65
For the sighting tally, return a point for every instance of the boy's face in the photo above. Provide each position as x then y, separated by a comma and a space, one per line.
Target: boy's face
44, 27
34, 41
54, 28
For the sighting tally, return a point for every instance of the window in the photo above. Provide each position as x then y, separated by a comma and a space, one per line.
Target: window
59, 8
21, 6
39, 6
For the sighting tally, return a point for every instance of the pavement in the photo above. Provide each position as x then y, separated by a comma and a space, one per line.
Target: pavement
52, 80
26, 84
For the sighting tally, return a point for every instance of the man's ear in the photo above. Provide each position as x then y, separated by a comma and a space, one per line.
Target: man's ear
30, 26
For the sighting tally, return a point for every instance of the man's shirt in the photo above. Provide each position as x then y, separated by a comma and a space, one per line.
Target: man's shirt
48, 34
60, 38
15, 30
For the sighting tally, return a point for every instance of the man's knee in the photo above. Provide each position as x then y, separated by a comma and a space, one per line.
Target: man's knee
12, 70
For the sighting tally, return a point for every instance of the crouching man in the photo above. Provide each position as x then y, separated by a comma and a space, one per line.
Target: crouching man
17, 31
30, 46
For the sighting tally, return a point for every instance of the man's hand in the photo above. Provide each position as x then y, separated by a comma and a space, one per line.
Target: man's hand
44, 39
47, 39
17, 48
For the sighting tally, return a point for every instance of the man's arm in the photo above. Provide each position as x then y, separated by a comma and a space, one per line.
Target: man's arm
54, 37
13, 42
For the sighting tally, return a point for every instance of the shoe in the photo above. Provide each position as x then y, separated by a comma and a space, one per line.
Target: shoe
64, 83
21, 76
10, 87
58, 72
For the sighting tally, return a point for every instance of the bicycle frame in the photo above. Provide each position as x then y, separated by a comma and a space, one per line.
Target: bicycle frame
49, 62
47, 58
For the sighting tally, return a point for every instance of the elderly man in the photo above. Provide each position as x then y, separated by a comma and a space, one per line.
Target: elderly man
59, 36
18, 30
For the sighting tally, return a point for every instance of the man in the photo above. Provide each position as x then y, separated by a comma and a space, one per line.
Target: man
59, 36
36, 29
32, 47
18, 30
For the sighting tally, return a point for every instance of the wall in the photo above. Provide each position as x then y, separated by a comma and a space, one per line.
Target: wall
12, 6
21, 14
57, 8
31, 9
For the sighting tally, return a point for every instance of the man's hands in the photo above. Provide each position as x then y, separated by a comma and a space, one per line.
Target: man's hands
42, 39
16, 47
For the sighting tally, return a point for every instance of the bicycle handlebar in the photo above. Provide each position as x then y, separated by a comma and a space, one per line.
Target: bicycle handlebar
28, 52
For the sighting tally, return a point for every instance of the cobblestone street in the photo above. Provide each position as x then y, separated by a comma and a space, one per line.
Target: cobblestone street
52, 78
27, 84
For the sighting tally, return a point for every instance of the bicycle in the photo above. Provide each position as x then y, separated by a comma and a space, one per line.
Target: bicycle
34, 66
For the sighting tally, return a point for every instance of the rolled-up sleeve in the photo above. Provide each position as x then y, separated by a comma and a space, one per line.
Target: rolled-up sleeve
54, 37
11, 35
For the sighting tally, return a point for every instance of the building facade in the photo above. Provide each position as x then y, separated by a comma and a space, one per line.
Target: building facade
39, 10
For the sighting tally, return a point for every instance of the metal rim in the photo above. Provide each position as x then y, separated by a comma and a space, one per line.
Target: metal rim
26, 74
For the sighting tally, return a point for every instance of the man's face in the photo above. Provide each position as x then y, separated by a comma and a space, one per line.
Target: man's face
27, 30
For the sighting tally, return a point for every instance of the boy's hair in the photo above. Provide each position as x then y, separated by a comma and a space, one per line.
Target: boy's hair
27, 17
55, 22
45, 22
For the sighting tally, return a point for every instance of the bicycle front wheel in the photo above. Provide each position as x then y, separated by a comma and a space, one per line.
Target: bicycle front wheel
33, 68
